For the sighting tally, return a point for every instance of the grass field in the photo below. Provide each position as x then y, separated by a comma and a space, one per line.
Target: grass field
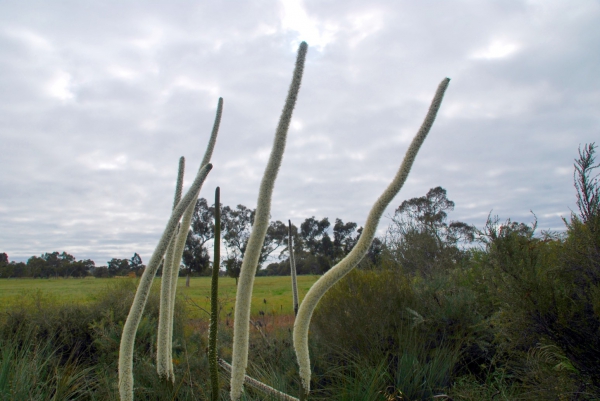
276, 291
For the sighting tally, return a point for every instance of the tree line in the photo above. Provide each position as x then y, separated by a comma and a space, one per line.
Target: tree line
317, 244
419, 237
62, 264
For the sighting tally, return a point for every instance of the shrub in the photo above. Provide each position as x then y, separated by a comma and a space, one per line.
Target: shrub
544, 300
418, 328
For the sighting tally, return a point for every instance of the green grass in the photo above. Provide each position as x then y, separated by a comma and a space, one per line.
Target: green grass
277, 291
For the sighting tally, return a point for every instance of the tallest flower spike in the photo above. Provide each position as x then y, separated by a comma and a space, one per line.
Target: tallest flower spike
362, 246
257, 236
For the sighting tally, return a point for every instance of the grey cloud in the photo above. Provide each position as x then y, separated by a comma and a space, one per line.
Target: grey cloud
98, 101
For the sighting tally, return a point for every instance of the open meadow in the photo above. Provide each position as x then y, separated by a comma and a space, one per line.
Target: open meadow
276, 291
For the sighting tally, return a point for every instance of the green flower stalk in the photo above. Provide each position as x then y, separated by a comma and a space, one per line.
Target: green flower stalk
257, 236
317, 291
164, 357
214, 307
293, 269
162, 354
141, 295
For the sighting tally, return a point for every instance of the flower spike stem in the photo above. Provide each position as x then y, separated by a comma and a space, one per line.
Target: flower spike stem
317, 291
257, 236
162, 345
164, 360
141, 295
214, 307
293, 269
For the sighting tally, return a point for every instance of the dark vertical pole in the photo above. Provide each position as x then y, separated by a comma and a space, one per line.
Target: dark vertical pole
293, 269
214, 313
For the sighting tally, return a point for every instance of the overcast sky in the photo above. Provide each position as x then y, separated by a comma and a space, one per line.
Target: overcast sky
98, 100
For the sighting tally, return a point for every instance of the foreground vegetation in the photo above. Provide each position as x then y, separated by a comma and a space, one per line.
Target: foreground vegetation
516, 317
516, 320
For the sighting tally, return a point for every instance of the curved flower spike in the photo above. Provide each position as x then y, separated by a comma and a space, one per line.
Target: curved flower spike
141, 295
317, 291
162, 345
164, 355
186, 220
257, 236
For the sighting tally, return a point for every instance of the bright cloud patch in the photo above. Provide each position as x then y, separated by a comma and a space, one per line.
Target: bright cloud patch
60, 87
497, 49
295, 18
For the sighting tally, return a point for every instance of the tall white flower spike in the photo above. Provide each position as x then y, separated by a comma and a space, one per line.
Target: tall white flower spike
257, 236
318, 289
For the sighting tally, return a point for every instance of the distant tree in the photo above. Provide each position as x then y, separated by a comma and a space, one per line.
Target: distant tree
374, 255
233, 267
320, 253
81, 268
59, 264
313, 234
345, 236
420, 237
39, 267
136, 261
136, 265
276, 237
118, 267
101, 272
14, 270
276, 269
317, 247
195, 255
3, 258
314, 250
47, 265
236, 225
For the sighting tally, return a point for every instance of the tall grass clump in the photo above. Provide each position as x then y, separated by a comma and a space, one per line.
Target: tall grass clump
32, 370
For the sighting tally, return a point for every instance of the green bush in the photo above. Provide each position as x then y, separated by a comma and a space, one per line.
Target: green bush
419, 328
545, 299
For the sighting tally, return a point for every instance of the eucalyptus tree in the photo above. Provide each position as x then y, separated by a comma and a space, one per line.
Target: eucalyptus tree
195, 256
420, 237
